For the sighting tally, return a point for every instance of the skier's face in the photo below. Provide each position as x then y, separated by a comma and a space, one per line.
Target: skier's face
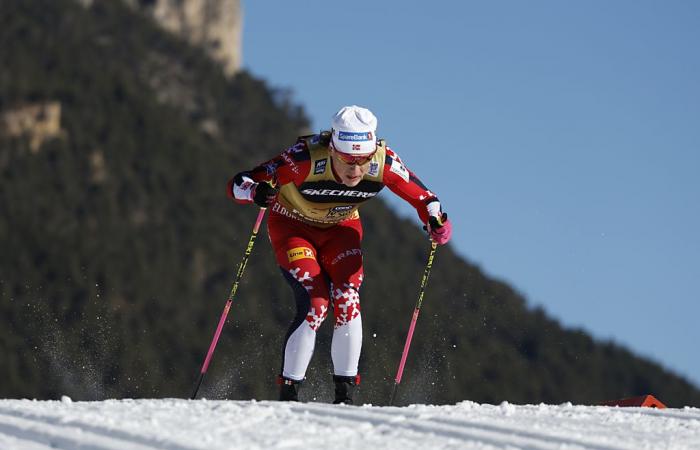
350, 174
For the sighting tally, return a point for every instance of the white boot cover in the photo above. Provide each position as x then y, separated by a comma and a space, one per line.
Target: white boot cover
298, 352
346, 347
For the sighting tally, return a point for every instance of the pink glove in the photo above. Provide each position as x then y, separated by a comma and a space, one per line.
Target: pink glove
440, 229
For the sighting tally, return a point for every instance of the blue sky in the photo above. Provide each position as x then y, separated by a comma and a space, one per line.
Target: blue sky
562, 137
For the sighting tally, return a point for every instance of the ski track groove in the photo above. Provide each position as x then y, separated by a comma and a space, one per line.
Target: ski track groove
558, 441
50, 431
464, 430
18, 437
464, 437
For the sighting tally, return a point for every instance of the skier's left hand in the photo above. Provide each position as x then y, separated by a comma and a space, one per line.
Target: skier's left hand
439, 229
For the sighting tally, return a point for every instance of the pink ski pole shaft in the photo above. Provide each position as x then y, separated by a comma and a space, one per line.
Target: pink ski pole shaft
414, 319
229, 300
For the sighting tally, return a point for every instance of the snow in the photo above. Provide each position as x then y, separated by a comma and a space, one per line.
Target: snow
200, 424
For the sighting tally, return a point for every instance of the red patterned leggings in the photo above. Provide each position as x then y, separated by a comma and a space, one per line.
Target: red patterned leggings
324, 268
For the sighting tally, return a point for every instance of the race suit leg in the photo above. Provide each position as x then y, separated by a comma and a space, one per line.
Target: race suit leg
341, 259
296, 254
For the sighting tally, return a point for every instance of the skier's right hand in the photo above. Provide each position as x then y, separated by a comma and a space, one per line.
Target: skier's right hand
264, 194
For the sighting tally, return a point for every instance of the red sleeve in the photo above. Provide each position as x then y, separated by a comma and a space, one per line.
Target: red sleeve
291, 166
407, 185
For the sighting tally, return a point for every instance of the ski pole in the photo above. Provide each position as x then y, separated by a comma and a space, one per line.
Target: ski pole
229, 300
414, 319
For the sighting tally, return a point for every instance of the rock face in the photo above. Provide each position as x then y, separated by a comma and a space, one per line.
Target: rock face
39, 122
215, 25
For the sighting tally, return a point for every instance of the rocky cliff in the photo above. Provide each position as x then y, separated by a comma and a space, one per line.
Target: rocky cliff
215, 25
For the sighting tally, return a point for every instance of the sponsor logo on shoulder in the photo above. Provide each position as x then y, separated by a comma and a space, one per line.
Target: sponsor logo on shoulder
320, 166
298, 253
399, 169
296, 148
270, 168
373, 169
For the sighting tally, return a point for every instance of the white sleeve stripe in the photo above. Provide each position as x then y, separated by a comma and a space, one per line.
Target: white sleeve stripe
434, 209
245, 190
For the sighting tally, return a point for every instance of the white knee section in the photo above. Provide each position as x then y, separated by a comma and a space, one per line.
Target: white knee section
346, 347
298, 352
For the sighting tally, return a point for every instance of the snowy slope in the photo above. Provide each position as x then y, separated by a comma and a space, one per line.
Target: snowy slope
183, 424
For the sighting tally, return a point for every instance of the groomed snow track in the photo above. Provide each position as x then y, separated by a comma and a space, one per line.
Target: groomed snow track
183, 424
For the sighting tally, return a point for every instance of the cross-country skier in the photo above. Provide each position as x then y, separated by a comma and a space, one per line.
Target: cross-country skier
313, 191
